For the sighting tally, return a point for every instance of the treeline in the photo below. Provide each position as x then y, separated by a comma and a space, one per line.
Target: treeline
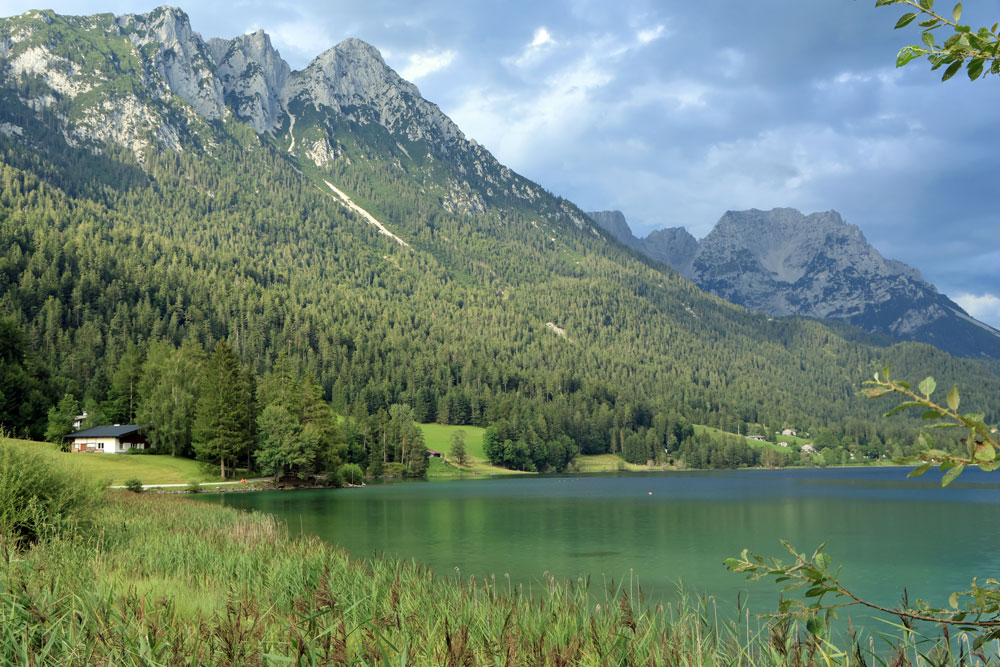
216, 409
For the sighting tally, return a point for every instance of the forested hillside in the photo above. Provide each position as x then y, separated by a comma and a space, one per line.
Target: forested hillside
503, 303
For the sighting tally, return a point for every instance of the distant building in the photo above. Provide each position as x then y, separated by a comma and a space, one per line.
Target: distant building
78, 420
433, 453
791, 432
782, 444
755, 437
115, 439
809, 449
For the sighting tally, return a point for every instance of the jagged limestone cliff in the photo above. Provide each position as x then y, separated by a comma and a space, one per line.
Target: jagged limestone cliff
782, 262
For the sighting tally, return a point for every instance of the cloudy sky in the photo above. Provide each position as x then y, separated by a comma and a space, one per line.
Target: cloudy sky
674, 112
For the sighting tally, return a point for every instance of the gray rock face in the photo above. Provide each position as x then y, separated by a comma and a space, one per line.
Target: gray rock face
253, 77
353, 80
615, 224
674, 246
179, 56
782, 262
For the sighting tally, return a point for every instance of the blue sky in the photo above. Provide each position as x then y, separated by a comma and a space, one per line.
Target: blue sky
676, 112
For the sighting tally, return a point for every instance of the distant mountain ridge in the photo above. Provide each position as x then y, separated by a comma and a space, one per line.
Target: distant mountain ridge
782, 262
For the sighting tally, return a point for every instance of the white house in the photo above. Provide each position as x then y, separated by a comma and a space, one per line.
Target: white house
789, 431
808, 448
115, 439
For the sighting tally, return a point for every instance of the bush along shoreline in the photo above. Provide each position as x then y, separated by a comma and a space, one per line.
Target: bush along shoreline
116, 577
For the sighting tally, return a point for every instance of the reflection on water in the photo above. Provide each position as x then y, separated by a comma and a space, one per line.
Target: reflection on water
886, 531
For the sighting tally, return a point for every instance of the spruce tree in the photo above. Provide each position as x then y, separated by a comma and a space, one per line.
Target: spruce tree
223, 411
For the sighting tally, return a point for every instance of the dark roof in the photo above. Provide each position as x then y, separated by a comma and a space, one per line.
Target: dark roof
105, 432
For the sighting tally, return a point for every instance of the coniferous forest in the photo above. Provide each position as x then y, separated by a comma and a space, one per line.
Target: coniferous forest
221, 294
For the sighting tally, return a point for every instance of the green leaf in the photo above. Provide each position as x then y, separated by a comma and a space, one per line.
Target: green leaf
952, 70
917, 472
950, 476
953, 399
956, 13
927, 386
902, 406
975, 69
986, 452
906, 54
953, 600
932, 414
927, 4
905, 20
928, 39
822, 561
814, 625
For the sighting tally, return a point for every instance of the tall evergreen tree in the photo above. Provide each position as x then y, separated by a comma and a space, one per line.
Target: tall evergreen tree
223, 410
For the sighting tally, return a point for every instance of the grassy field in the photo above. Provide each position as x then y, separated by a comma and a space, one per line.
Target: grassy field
438, 437
606, 463
116, 469
795, 442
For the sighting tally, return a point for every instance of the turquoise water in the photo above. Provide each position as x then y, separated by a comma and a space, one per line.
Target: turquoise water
885, 530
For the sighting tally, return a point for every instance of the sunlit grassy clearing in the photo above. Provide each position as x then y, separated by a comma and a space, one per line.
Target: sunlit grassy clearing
116, 469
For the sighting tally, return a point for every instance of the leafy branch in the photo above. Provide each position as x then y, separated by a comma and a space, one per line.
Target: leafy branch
978, 52
975, 610
981, 447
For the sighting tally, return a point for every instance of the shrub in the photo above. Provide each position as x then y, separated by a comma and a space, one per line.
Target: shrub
351, 473
40, 494
334, 479
134, 485
194, 487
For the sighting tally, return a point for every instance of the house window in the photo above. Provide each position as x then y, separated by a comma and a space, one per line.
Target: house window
100, 445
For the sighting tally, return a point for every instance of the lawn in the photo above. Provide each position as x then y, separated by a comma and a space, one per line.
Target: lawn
116, 469
606, 463
438, 436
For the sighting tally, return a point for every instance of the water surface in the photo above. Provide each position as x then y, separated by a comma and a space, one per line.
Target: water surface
885, 530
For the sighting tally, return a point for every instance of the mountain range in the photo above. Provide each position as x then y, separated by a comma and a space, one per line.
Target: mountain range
782, 262
156, 186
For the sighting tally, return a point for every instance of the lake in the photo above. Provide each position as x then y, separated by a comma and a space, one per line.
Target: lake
664, 528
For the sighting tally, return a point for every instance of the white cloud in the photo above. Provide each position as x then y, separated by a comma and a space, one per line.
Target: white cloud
541, 38
983, 307
541, 42
650, 34
428, 62
519, 127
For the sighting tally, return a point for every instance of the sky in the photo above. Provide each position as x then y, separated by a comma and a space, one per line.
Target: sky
675, 112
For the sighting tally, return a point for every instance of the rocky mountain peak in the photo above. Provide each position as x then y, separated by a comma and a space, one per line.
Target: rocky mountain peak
782, 262
353, 79
253, 76
673, 246
615, 224
179, 56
